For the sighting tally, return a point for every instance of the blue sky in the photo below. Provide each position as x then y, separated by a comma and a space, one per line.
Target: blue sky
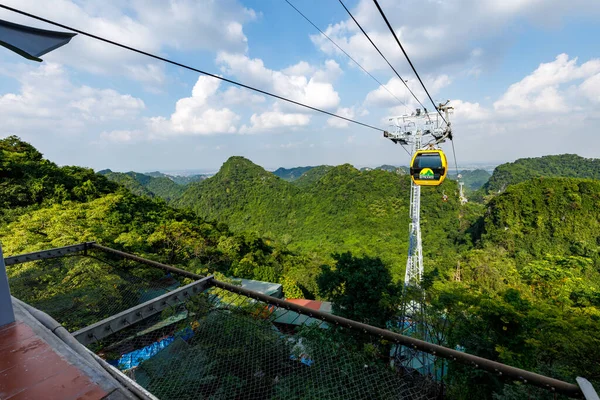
523, 76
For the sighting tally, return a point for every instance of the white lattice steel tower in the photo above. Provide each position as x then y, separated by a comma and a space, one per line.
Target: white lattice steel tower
416, 131
410, 130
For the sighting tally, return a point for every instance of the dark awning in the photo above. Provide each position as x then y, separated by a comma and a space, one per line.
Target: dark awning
31, 43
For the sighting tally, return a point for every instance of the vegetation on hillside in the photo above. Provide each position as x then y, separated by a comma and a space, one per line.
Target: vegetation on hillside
66, 205
178, 179
28, 180
146, 185
344, 210
312, 176
515, 280
564, 165
291, 174
473, 180
389, 168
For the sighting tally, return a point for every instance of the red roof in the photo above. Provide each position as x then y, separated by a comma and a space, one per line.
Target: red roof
315, 305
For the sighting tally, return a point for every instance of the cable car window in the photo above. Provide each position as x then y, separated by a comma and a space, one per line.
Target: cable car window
429, 161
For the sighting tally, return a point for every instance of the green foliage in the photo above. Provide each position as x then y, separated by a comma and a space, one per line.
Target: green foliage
389, 168
343, 210
473, 180
545, 215
312, 176
291, 174
27, 179
360, 289
564, 165
178, 179
146, 185
515, 280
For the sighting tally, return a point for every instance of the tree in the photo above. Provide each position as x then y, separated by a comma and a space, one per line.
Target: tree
360, 288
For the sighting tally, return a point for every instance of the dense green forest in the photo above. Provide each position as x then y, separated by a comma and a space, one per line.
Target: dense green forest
564, 165
344, 209
146, 185
473, 180
515, 279
389, 168
291, 174
179, 179
47, 206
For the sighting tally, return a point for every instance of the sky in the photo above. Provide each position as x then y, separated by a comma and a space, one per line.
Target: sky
523, 77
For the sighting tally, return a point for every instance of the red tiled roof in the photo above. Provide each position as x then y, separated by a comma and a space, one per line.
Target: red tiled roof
31, 369
315, 305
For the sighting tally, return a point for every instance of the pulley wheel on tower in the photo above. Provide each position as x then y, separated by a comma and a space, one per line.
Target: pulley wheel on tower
428, 167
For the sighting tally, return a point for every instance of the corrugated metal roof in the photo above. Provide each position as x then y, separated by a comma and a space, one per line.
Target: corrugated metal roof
293, 318
268, 288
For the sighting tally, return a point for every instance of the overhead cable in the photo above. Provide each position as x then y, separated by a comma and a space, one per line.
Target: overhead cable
381, 54
84, 33
408, 59
343, 51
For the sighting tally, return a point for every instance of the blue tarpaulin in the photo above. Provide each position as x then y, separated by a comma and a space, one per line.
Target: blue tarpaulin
134, 358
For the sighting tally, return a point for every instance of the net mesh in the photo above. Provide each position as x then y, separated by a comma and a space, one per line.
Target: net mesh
68, 289
224, 346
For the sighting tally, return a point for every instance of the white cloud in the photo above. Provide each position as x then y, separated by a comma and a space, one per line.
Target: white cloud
440, 35
340, 123
310, 88
380, 97
542, 90
236, 95
329, 73
534, 114
464, 110
122, 136
270, 120
591, 88
301, 68
48, 100
197, 115
150, 25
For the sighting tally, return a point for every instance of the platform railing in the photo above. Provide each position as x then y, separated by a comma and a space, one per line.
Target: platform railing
200, 283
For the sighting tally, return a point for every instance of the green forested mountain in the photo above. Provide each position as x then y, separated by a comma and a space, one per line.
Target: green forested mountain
179, 179
389, 168
27, 179
45, 206
145, 185
516, 280
564, 165
338, 209
312, 176
291, 174
473, 180
559, 216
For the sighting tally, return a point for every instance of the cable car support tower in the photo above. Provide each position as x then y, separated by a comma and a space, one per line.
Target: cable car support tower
417, 131
412, 130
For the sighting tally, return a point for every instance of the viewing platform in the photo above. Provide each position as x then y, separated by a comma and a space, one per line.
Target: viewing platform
36, 364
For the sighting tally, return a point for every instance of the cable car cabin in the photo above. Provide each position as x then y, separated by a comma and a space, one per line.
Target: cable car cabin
428, 167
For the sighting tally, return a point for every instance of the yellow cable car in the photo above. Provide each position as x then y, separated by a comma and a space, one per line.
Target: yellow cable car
428, 167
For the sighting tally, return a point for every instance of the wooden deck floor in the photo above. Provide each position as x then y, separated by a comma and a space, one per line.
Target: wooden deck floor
31, 369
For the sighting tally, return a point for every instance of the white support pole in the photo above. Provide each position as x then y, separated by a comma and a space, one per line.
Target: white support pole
7, 314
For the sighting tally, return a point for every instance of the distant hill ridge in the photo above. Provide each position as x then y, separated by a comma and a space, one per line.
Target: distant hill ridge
326, 209
563, 165
146, 185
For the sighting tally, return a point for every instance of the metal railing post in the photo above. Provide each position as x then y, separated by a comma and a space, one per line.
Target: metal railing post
7, 314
